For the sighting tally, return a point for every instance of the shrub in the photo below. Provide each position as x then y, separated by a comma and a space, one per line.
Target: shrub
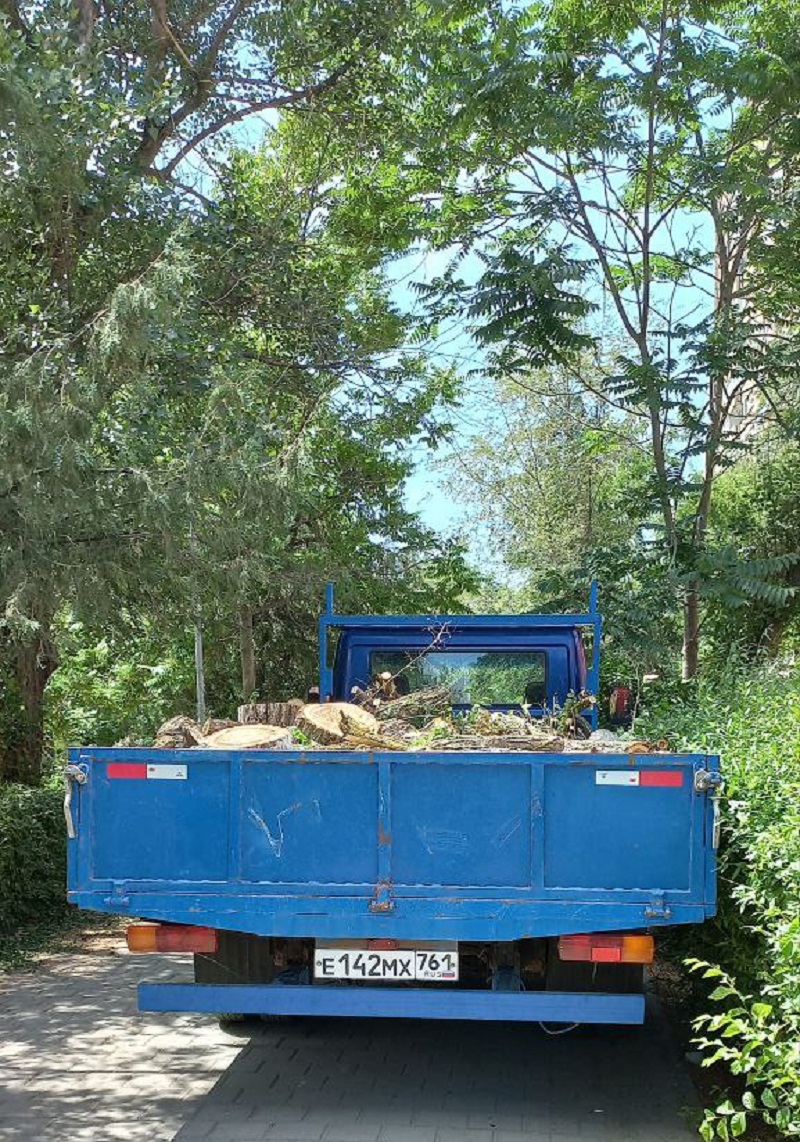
32, 856
103, 691
752, 718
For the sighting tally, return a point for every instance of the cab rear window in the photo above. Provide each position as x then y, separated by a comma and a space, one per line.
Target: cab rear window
481, 678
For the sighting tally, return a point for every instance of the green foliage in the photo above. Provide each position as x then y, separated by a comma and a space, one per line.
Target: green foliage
32, 856
757, 514
751, 717
531, 304
617, 186
558, 489
117, 687
757, 1042
203, 406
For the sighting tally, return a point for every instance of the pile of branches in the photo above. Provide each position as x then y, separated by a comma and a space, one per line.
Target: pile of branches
417, 708
421, 721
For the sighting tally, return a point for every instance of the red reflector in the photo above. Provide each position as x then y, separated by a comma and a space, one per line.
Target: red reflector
606, 955
575, 947
186, 938
129, 769
665, 777
382, 945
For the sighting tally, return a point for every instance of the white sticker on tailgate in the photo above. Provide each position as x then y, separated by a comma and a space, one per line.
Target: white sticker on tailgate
616, 777
166, 772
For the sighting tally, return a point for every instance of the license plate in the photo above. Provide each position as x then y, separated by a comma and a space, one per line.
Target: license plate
396, 966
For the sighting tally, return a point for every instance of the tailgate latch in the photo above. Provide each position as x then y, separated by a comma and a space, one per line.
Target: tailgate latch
709, 781
706, 780
72, 773
381, 898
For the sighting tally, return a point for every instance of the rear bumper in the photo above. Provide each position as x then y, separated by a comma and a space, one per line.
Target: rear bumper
393, 1003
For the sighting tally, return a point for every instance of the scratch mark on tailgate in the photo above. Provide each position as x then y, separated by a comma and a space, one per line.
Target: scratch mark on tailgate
442, 840
276, 840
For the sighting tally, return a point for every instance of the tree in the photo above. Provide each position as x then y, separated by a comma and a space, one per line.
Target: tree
553, 486
123, 442
632, 168
755, 519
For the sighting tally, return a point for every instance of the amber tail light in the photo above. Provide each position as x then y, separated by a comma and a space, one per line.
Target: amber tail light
607, 948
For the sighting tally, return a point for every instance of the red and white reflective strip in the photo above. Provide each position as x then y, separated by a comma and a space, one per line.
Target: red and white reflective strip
665, 778
144, 771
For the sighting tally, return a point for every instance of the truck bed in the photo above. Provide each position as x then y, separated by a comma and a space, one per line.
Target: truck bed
423, 846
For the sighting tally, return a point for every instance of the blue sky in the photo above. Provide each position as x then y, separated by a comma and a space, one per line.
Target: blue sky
427, 492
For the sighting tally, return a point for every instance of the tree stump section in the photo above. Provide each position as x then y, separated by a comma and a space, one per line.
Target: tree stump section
332, 722
180, 732
270, 713
249, 737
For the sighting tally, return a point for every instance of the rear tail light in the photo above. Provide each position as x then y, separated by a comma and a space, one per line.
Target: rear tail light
608, 948
171, 938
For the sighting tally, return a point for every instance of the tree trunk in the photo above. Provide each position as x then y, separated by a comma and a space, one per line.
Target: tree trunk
248, 653
691, 630
32, 665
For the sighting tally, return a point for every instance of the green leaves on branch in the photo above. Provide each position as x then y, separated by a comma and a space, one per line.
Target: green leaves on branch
525, 309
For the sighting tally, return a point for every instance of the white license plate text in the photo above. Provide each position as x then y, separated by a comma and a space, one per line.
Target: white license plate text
396, 966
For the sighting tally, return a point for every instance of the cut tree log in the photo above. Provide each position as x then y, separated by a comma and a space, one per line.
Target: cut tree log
249, 737
331, 723
180, 732
270, 713
214, 725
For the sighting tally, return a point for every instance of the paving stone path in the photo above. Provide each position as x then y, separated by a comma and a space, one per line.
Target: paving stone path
79, 1064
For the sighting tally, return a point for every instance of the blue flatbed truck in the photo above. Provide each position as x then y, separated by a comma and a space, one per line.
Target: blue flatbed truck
452, 885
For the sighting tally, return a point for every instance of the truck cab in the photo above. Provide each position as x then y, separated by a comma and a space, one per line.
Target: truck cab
499, 662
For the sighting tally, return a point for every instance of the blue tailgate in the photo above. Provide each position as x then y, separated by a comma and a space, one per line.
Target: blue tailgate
455, 846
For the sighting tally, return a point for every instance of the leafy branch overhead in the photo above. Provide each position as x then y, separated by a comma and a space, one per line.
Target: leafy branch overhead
166, 80
626, 174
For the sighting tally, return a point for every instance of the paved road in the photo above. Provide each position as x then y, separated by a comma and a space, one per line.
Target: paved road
78, 1063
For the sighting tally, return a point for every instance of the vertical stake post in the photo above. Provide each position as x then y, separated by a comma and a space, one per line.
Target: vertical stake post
199, 667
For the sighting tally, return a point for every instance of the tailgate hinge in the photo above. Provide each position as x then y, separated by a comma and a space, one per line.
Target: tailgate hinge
381, 898
119, 897
657, 909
